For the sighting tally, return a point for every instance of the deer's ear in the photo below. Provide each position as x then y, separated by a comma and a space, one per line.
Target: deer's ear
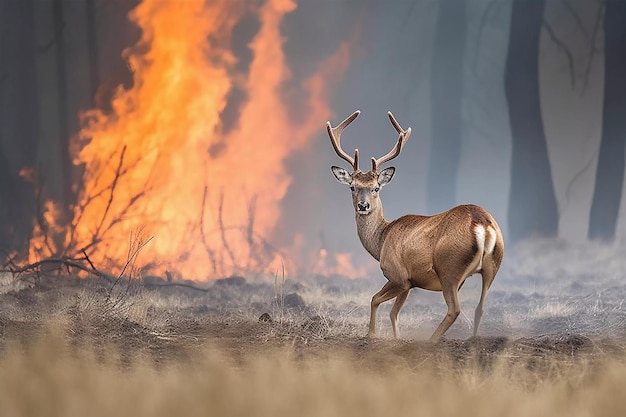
386, 175
342, 175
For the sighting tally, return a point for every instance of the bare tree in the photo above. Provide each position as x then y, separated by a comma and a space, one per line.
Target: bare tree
446, 95
532, 201
610, 172
19, 121
67, 196
92, 47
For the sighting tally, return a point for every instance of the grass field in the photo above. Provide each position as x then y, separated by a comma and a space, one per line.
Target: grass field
553, 344
54, 378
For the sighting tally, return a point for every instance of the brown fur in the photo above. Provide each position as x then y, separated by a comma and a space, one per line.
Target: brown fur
431, 252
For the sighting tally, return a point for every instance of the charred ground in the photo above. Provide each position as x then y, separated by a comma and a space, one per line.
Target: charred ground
171, 322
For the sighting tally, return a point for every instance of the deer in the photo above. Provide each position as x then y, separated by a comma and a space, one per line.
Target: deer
436, 253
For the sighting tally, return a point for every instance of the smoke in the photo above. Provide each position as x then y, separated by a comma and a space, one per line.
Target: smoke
215, 142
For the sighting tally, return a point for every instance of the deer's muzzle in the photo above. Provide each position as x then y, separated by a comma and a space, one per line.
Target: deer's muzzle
362, 206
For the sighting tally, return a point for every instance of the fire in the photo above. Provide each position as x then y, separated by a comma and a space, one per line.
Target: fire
47, 230
162, 162
341, 264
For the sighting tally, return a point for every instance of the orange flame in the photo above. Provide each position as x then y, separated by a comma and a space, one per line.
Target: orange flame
161, 162
341, 264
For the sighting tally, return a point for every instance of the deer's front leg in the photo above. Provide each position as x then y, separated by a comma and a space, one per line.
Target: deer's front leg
395, 310
390, 290
377, 299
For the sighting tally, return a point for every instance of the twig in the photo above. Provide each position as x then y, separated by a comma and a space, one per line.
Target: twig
9, 259
576, 17
253, 255
207, 248
88, 260
132, 255
220, 220
592, 48
88, 199
41, 221
279, 292
575, 178
561, 45
112, 193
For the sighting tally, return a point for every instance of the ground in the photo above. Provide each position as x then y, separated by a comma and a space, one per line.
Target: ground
170, 321
552, 342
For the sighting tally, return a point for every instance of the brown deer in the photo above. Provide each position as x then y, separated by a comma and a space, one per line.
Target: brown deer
436, 253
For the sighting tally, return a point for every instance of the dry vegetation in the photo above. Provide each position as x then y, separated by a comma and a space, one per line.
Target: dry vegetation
550, 347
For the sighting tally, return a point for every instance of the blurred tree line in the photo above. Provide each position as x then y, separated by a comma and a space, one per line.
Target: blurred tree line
532, 202
57, 58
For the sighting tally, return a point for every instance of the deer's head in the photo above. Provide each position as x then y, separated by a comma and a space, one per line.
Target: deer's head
365, 186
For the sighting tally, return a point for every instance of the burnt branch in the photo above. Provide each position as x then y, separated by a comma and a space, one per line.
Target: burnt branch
60, 262
99, 237
39, 217
112, 193
135, 246
253, 255
207, 248
9, 260
220, 220
121, 171
88, 260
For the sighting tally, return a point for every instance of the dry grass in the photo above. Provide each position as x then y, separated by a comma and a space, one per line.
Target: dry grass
553, 344
53, 378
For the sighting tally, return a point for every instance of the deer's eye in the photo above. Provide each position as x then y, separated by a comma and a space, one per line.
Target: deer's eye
377, 189
352, 188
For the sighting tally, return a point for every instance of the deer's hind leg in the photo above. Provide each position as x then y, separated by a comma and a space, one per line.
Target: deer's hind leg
488, 274
451, 295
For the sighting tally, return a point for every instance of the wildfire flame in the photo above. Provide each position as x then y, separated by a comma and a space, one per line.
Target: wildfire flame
161, 160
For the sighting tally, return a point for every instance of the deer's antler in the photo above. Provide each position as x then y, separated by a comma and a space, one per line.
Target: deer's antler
335, 139
403, 137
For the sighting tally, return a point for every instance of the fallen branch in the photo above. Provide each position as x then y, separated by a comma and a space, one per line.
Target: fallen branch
60, 262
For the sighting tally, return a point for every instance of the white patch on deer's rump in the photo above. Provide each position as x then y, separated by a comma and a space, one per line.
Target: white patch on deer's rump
480, 242
490, 243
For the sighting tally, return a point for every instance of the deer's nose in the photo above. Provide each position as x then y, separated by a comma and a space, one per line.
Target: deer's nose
363, 205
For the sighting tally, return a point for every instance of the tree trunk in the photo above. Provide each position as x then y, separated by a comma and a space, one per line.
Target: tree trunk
532, 202
67, 197
92, 47
610, 172
446, 97
19, 122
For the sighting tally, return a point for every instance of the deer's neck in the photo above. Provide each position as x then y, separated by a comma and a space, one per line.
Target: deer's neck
370, 229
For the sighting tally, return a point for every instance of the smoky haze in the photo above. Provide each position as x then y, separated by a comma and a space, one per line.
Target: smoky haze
398, 65
452, 71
